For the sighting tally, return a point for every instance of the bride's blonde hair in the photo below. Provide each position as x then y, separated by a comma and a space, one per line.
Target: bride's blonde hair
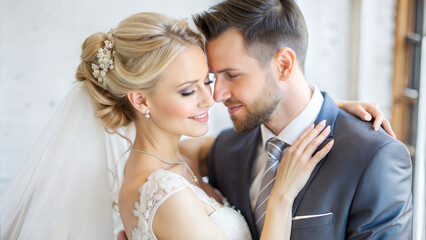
144, 44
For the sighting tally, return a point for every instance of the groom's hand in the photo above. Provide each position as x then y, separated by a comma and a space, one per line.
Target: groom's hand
122, 235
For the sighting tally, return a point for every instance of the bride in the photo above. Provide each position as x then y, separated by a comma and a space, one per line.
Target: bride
148, 82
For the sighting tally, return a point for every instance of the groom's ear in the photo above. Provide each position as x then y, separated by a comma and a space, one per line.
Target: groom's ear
138, 101
286, 61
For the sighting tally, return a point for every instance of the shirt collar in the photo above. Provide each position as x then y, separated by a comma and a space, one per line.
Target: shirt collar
308, 116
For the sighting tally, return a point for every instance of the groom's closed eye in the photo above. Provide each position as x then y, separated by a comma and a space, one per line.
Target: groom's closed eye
232, 76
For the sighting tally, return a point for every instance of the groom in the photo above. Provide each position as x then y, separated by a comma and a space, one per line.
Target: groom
257, 50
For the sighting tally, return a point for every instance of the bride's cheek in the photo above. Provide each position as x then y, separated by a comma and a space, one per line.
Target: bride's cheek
178, 109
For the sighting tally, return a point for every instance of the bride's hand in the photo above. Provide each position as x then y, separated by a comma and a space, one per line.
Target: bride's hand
298, 163
367, 112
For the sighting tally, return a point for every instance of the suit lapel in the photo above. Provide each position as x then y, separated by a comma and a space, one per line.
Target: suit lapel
247, 156
329, 111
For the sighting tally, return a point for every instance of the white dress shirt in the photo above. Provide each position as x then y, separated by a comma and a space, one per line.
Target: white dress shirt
288, 135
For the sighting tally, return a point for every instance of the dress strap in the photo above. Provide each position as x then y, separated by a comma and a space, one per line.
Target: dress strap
160, 186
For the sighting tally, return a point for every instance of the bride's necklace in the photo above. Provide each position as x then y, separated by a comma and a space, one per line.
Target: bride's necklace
171, 163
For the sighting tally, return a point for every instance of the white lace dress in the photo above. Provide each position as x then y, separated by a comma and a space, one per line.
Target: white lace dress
161, 185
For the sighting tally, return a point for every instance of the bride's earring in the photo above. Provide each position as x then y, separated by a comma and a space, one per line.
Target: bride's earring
147, 114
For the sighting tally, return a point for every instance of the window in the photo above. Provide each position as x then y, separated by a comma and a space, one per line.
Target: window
409, 100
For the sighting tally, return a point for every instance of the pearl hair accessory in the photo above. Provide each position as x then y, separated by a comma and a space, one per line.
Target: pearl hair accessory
105, 59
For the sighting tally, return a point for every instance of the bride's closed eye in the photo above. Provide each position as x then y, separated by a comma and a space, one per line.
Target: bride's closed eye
188, 92
209, 80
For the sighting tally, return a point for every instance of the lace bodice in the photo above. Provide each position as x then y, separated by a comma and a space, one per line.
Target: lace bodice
163, 184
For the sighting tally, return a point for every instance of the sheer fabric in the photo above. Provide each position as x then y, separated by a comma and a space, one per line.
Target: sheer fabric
65, 189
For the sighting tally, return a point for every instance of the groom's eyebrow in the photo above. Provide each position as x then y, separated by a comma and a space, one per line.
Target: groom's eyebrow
227, 70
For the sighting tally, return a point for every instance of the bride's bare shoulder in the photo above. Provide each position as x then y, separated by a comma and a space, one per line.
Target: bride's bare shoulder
128, 196
172, 195
132, 181
136, 174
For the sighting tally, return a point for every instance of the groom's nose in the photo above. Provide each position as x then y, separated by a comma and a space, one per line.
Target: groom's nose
221, 91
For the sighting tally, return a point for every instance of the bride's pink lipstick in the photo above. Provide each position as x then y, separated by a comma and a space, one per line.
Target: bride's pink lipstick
201, 118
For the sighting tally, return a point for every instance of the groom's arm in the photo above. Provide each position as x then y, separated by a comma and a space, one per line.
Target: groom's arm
382, 207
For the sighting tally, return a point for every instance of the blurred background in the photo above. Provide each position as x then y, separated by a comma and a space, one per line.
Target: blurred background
367, 50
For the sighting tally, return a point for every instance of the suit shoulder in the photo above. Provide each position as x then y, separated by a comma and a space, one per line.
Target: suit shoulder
354, 131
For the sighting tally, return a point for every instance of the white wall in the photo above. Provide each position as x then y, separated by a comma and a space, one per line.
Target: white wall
351, 48
40, 46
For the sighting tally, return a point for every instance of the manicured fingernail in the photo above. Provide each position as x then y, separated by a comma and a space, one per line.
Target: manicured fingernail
367, 117
323, 122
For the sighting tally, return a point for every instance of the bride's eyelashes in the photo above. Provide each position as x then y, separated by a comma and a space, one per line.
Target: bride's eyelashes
189, 92
209, 82
210, 78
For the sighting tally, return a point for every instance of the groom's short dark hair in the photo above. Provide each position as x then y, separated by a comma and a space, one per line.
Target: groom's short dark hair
266, 25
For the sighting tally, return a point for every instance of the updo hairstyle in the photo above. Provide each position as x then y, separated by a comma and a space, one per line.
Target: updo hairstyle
144, 45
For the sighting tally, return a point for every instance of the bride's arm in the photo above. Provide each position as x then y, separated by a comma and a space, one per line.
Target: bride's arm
197, 150
293, 172
184, 216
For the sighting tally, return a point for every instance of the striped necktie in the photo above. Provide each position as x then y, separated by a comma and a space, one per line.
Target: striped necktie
274, 148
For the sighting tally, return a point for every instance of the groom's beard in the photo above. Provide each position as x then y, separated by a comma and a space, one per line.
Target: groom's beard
261, 109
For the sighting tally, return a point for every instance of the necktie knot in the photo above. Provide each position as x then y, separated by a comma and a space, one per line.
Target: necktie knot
274, 148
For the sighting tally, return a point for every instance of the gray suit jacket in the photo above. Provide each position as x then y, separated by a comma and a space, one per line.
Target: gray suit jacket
361, 190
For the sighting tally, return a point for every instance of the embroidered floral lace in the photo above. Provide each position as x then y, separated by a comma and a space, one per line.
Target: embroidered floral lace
161, 185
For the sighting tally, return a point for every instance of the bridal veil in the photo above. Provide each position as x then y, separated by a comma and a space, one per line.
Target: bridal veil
67, 185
